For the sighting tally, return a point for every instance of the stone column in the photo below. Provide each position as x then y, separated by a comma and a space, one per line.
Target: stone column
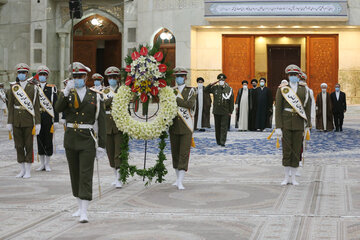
62, 56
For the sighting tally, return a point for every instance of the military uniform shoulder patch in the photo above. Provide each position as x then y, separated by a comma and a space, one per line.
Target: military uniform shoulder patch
16, 87
285, 90
106, 90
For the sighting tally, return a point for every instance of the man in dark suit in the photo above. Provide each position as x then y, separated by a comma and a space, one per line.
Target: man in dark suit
338, 99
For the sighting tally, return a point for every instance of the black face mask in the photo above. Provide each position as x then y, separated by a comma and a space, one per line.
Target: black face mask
254, 85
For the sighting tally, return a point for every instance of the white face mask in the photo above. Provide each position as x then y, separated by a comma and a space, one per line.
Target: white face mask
200, 84
221, 82
245, 87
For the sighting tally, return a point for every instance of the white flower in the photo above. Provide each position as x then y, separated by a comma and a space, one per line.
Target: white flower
144, 130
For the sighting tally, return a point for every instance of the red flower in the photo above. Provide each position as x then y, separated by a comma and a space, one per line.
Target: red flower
158, 56
144, 51
128, 80
154, 90
134, 89
144, 97
162, 83
128, 68
162, 68
135, 55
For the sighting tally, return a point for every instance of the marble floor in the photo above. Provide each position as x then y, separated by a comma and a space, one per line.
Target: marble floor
231, 193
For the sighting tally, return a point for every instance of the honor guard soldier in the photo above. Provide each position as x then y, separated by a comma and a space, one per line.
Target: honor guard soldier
223, 107
49, 118
24, 118
113, 135
98, 81
183, 127
84, 135
292, 115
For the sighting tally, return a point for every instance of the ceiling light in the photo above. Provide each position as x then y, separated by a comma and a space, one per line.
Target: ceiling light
96, 22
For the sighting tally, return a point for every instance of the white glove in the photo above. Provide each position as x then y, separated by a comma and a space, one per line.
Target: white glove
70, 85
37, 129
278, 132
9, 127
99, 152
62, 121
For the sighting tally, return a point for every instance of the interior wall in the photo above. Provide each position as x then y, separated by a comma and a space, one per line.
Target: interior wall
206, 53
261, 61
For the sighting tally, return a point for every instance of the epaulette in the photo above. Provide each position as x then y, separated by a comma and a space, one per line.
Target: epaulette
51, 85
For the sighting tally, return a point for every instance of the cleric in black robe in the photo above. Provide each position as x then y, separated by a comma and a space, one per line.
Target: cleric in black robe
264, 106
253, 105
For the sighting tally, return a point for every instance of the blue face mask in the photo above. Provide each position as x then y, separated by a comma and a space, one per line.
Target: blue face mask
293, 79
180, 80
262, 84
112, 82
97, 83
42, 79
79, 82
21, 76
337, 89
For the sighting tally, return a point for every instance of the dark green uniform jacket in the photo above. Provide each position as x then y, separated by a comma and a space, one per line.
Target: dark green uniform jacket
80, 139
223, 99
21, 117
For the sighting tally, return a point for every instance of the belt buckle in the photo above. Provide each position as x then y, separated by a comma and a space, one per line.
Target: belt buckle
75, 125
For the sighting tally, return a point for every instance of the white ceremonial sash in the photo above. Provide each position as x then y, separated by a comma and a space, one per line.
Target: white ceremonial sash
108, 93
292, 98
23, 98
185, 114
45, 103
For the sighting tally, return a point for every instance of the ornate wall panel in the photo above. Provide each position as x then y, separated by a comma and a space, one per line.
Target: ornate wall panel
238, 59
322, 61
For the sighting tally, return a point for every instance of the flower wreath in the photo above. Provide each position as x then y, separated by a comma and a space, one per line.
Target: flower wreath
147, 77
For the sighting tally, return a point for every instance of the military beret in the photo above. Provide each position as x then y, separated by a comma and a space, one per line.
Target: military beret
112, 71
97, 76
79, 68
221, 76
22, 67
43, 69
180, 71
245, 81
292, 68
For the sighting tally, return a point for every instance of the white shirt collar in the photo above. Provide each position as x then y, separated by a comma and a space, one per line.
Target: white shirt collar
181, 87
23, 84
81, 92
43, 85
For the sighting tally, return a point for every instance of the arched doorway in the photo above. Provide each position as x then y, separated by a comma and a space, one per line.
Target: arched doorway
97, 44
167, 43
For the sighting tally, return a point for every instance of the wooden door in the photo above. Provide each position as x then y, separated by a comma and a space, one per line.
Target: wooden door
322, 61
85, 52
279, 57
112, 55
238, 61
